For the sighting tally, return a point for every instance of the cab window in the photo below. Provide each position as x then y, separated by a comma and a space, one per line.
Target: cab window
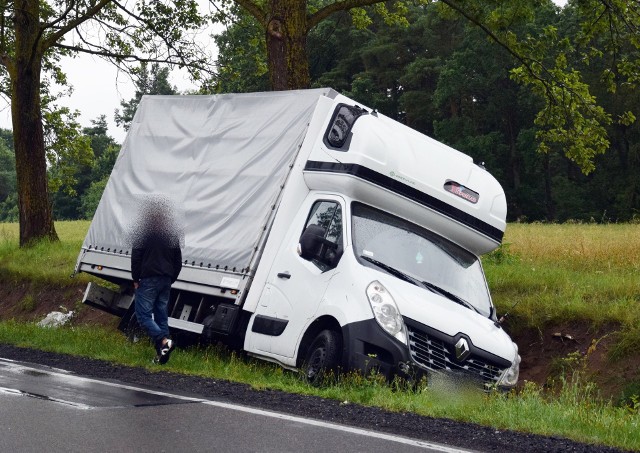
321, 240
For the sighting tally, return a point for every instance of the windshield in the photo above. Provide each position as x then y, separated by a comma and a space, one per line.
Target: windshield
414, 254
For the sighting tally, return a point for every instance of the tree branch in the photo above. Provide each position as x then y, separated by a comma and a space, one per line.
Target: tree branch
525, 61
62, 17
88, 15
170, 45
345, 5
255, 10
125, 57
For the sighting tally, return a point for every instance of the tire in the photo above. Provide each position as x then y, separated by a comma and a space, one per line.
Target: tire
133, 330
322, 359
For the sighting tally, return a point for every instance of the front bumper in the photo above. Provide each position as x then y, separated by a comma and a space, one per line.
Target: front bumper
368, 347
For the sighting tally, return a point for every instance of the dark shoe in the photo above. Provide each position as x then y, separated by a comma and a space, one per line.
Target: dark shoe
165, 351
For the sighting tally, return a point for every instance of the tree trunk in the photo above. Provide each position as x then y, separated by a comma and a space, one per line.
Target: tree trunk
286, 37
36, 221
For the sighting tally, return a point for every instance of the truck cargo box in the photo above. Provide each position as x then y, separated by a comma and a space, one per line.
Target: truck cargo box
221, 161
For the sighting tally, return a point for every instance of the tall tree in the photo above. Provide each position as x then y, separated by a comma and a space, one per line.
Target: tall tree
33, 41
286, 24
71, 176
106, 151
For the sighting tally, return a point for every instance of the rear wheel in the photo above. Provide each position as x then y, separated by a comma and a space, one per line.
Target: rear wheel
323, 357
130, 326
134, 330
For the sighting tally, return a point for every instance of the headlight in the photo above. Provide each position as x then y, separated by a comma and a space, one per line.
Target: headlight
386, 311
510, 376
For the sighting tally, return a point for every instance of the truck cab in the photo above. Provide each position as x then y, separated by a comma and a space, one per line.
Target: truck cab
381, 258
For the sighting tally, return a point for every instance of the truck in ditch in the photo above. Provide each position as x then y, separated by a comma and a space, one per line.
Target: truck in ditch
317, 233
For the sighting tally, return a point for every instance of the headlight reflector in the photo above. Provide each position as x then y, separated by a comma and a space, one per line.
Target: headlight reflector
385, 311
510, 376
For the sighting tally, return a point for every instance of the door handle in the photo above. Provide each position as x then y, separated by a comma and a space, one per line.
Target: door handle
285, 275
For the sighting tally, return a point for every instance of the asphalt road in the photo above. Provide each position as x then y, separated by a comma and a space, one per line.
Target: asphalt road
53, 410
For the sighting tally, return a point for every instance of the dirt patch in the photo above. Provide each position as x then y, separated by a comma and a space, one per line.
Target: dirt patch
562, 350
546, 353
31, 302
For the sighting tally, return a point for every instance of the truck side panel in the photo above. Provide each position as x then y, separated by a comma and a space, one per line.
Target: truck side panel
219, 161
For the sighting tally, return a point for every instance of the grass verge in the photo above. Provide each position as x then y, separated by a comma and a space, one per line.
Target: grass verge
550, 274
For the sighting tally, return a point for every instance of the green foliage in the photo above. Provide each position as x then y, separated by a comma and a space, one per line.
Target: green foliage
571, 119
68, 151
70, 204
32, 44
242, 56
8, 193
9, 208
630, 398
91, 198
554, 49
444, 78
500, 256
7, 171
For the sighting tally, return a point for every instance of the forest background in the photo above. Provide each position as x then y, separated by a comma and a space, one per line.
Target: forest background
439, 75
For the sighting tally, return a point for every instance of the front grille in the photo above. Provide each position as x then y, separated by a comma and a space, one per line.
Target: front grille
437, 355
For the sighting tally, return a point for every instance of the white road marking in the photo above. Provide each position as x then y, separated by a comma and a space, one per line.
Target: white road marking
236, 407
45, 398
348, 429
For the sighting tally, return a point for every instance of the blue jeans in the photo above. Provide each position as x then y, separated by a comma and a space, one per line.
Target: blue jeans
152, 298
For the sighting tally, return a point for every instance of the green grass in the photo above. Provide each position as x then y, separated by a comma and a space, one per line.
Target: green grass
46, 262
549, 274
554, 273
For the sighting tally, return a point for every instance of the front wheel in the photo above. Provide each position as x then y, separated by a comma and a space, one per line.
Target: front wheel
323, 357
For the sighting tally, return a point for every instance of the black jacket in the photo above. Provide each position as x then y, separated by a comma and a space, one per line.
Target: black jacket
156, 256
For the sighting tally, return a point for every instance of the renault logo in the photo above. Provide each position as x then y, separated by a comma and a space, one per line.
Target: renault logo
462, 349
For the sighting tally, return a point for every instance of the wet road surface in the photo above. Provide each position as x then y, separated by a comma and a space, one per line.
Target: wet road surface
48, 409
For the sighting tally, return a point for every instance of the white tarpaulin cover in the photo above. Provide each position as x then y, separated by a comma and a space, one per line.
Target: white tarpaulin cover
219, 160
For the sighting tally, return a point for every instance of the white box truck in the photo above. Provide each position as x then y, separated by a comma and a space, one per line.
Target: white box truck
318, 234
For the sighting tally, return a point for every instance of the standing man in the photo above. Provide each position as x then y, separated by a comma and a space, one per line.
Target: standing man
156, 261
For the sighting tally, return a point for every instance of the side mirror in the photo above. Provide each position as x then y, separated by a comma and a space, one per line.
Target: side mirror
313, 245
311, 241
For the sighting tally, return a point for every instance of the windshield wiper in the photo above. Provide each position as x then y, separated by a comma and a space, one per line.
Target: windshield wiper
450, 296
393, 271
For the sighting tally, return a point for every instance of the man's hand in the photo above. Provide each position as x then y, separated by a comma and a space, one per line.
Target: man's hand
135, 285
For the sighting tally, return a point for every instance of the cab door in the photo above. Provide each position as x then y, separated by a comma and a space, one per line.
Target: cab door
300, 275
